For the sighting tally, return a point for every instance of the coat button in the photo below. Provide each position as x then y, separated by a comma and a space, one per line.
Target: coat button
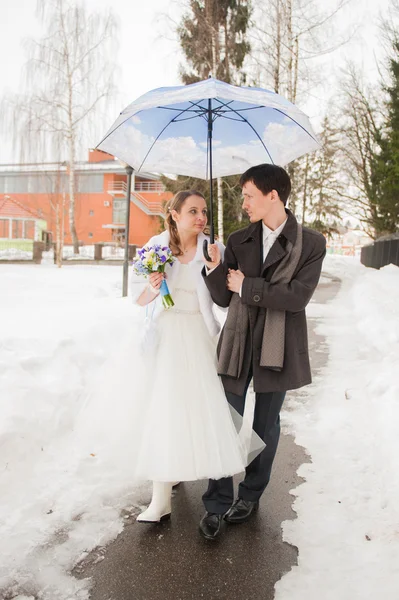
256, 298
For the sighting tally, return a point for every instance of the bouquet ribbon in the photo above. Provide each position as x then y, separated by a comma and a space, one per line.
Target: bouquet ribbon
165, 294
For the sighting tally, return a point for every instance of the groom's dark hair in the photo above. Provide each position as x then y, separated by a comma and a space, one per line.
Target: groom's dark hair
267, 178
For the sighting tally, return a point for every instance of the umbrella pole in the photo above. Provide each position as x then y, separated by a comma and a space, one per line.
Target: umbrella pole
212, 232
129, 172
210, 127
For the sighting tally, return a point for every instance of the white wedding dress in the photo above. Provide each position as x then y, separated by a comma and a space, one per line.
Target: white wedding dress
170, 419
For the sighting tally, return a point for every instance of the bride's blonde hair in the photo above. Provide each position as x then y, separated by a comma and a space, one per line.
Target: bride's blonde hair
176, 204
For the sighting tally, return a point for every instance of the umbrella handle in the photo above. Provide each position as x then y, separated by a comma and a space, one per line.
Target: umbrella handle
205, 251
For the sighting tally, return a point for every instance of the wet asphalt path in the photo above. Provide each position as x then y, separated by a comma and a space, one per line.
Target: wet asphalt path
172, 562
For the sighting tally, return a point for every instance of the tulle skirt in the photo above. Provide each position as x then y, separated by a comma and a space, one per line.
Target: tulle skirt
160, 413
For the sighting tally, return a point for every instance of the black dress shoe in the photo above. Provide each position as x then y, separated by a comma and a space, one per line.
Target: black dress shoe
241, 511
210, 525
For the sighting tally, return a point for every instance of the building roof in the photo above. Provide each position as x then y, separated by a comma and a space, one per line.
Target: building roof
9, 207
106, 166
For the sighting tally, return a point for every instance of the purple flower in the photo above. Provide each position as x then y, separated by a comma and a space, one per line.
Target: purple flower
143, 265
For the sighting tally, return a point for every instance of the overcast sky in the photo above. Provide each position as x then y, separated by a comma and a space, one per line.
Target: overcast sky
148, 54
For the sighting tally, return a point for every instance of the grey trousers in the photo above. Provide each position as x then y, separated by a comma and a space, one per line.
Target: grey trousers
220, 493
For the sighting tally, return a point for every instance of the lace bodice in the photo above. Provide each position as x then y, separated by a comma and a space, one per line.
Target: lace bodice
184, 292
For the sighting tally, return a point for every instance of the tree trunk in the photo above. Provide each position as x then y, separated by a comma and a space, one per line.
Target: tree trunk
220, 209
214, 31
305, 192
71, 137
58, 251
211, 33
291, 173
226, 53
295, 70
216, 44
61, 240
57, 203
72, 194
292, 67
278, 49
290, 50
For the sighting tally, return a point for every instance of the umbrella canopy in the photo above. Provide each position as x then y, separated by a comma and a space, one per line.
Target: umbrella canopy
168, 130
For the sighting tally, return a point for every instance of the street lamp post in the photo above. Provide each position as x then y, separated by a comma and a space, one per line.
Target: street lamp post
129, 172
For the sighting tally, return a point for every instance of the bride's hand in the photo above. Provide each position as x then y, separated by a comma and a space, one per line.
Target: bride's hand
156, 280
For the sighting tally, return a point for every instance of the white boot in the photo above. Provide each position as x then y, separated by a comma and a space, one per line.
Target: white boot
160, 507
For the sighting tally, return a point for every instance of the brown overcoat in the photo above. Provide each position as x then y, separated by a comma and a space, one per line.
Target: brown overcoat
244, 252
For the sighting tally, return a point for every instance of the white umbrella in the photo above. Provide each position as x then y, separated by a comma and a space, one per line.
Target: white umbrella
209, 129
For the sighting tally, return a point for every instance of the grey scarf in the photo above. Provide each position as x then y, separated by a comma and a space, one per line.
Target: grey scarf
232, 346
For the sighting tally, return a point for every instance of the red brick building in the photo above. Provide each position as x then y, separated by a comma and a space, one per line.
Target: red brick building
17, 222
40, 192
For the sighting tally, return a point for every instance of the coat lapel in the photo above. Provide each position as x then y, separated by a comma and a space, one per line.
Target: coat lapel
276, 253
249, 251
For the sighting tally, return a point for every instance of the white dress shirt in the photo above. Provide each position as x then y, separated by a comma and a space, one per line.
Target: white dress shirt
269, 237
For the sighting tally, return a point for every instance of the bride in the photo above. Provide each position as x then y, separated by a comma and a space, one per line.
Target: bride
157, 409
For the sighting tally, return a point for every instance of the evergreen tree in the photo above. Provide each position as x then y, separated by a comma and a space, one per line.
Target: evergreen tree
212, 37
234, 217
385, 169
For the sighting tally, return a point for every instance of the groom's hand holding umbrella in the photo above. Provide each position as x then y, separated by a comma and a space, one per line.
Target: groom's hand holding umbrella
234, 277
215, 256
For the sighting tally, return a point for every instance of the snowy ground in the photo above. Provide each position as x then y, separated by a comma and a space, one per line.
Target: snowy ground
347, 530
57, 327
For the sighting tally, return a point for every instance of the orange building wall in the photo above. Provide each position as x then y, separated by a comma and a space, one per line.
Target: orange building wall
40, 204
142, 226
99, 156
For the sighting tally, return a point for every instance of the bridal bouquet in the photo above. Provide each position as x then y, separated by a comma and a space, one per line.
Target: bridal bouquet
153, 259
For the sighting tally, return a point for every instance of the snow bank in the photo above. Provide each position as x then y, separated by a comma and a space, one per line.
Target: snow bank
57, 328
347, 527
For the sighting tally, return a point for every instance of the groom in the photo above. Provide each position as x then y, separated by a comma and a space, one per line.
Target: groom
269, 273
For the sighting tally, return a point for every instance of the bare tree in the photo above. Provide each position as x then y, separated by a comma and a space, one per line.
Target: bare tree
363, 113
286, 37
318, 181
69, 80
